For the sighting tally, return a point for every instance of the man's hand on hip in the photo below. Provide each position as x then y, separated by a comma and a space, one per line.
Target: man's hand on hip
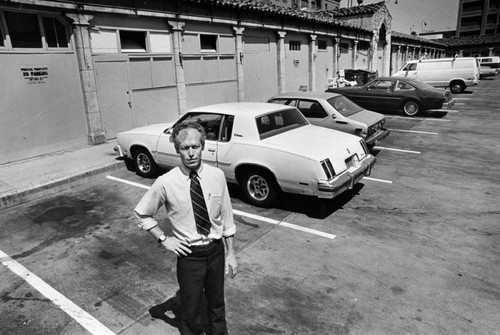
178, 247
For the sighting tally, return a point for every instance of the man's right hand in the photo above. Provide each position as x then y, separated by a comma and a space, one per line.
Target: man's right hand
178, 247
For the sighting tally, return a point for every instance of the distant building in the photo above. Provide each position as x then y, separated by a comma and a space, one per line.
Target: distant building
478, 30
478, 17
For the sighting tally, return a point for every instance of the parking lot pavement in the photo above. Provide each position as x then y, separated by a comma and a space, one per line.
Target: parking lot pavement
413, 256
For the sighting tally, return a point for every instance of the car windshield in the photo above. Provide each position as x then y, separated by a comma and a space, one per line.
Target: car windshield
344, 106
279, 122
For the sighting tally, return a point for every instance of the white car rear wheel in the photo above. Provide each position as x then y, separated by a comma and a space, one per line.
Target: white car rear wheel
259, 188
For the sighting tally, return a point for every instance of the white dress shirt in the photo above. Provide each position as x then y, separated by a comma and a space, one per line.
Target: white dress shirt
172, 190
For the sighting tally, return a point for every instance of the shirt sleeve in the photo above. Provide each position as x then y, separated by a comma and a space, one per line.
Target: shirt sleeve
146, 209
229, 228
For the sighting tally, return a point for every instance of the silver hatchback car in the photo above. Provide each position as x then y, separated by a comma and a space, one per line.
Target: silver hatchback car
335, 111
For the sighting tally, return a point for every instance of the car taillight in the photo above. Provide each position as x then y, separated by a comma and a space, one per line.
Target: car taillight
328, 168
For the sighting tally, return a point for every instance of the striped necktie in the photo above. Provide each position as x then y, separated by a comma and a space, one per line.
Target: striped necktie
199, 206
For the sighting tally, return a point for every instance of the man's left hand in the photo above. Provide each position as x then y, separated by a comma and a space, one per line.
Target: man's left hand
231, 265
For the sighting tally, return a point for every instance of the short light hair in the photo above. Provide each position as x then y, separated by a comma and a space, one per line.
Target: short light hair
188, 125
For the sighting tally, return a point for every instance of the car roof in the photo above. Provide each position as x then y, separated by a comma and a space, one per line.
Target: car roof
397, 78
247, 108
308, 94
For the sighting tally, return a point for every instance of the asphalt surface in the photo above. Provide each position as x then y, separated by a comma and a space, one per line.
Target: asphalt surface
413, 249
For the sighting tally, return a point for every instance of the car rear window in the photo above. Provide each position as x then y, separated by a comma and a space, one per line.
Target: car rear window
279, 122
344, 106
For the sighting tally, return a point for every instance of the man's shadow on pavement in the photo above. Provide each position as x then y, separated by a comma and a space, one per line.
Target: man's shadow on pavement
173, 307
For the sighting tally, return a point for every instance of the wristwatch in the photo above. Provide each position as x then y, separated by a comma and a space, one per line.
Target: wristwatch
162, 238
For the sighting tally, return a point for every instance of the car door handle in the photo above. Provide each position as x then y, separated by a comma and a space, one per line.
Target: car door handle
211, 150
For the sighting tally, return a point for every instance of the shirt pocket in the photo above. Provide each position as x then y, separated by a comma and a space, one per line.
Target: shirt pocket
215, 204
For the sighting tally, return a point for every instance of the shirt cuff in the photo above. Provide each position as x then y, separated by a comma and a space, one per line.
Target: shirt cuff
145, 223
229, 232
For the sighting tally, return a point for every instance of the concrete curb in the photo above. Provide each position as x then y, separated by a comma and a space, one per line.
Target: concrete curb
56, 186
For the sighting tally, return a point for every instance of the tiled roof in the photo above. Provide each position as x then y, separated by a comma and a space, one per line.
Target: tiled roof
464, 41
407, 37
358, 10
267, 8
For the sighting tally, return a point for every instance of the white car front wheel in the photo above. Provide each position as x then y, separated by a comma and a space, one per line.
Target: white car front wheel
144, 163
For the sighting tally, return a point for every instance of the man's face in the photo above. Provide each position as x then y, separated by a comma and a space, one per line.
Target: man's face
190, 148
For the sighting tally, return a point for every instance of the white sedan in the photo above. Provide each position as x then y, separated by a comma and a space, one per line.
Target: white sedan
332, 110
265, 148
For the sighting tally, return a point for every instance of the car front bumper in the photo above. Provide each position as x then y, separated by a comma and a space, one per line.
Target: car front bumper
448, 104
347, 180
118, 149
377, 137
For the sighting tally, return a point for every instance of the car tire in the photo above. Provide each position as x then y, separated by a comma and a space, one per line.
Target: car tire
144, 163
457, 87
411, 108
259, 187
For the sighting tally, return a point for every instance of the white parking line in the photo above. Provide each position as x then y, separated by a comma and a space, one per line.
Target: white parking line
459, 103
253, 216
399, 150
416, 118
129, 182
459, 98
70, 308
379, 180
413, 131
442, 110
284, 224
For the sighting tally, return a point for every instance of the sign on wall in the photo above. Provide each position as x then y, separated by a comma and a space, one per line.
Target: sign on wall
35, 75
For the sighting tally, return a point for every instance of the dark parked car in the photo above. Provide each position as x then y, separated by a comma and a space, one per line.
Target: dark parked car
397, 94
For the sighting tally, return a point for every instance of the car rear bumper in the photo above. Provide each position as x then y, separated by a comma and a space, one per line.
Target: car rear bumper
377, 137
347, 180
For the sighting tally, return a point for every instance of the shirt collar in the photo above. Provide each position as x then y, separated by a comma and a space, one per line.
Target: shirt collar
185, 171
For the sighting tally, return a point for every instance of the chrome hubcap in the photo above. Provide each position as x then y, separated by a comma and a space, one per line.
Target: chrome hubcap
143, 163
411, 109
257, 187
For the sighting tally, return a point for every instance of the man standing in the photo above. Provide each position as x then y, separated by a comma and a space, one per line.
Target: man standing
197, 201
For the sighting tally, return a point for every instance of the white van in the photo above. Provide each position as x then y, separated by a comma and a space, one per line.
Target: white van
491, 61
456, 73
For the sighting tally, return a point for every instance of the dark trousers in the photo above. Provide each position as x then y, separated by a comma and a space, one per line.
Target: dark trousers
202, 273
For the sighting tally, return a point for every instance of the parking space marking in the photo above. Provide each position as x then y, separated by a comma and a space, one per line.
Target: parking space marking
442, 110
146, 187
416, 118
253, 216
414, 131
69, 307
285, 224
398, 150
459, 103
379, 180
